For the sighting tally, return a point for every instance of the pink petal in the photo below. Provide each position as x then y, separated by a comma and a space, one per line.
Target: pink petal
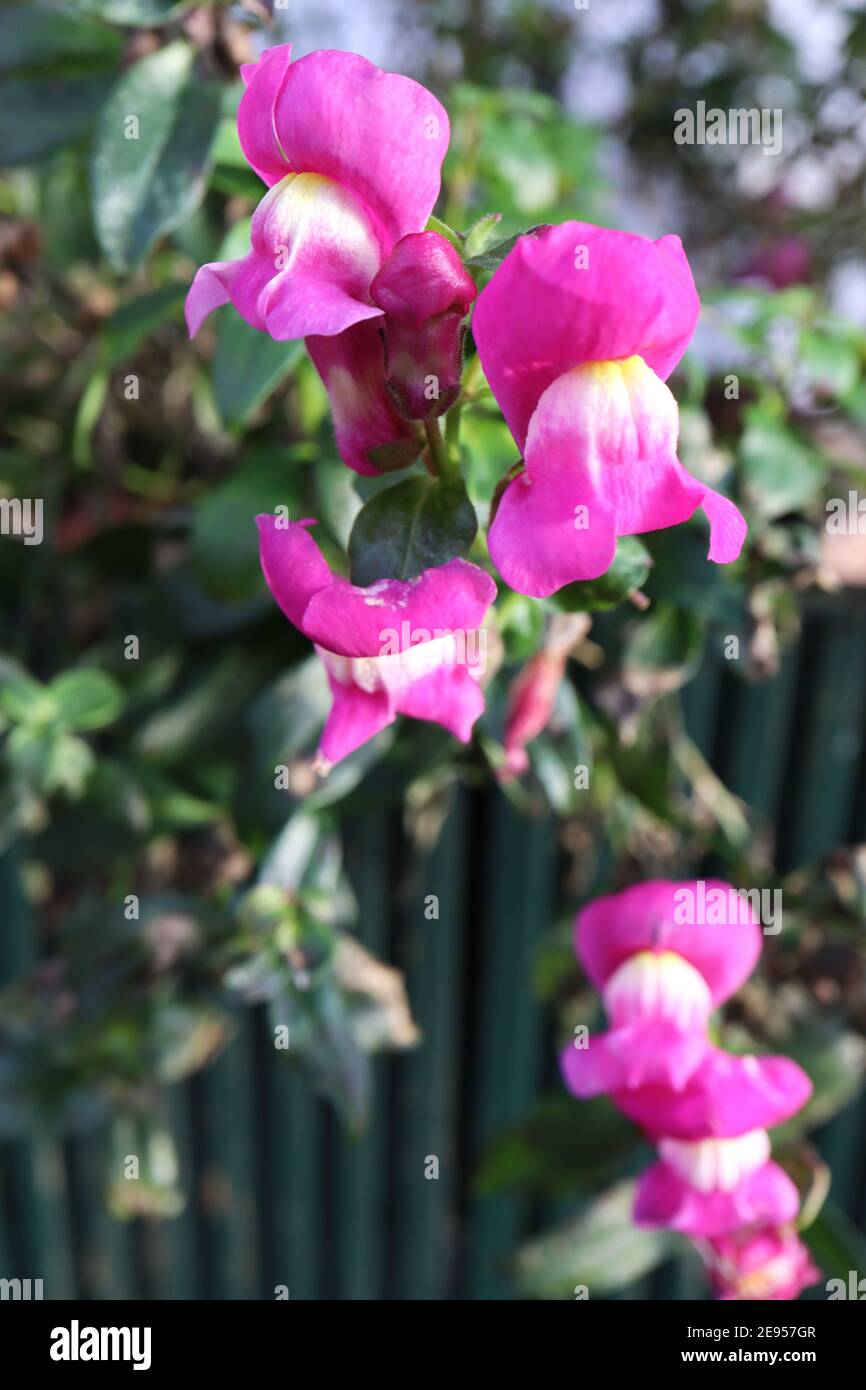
312, 258
644, 917
601, 462
379, 134
577, 293
264, 81
221, 282
356, 716
534, 542
395, 614
370, 434
767, 1196
293, 565
764, 1264
450, 696
323, 254
627, 1058
726, 1096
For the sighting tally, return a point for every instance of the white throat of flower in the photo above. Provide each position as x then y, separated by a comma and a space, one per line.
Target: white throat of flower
657, 986
717, 1165
396, 671
308, 215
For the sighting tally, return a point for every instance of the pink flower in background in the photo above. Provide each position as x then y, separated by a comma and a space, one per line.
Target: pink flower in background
660, 980
411, 647
767, 1263
577, 331
663, 955
714, 1186
784, 262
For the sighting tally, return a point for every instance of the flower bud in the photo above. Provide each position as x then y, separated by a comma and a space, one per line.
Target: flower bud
425, 293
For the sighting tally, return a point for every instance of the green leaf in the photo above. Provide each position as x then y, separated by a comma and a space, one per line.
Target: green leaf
145, 186
132, 324
435, 225
287, 717
836, 1244
87, 417
560, 1150
38, 115
521, 625
21, 697
420, 523
835, 1062
560, 750
322, 1039
86, 699
600, 1250
489, 452
492, 258
29, 752
49, 760
832, 365
630, 567
247, 367
665, 651
225, 541
780, 473
480, 236
39, 36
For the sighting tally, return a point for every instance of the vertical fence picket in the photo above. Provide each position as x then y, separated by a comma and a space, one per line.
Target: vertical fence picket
362, 1165
426, 1082
515, 910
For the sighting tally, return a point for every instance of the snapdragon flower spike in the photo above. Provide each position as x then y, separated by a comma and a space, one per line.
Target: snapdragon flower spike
769, 1263
715, 1186
577, 331
660, 979
411, 647
425, 293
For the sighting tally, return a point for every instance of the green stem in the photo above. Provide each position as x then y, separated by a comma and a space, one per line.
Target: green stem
438, 449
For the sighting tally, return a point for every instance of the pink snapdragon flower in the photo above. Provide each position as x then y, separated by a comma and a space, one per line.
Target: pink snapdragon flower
577, 331
339, 256
659, 979
664, 955
712, 1187
768, 1263
412, 647
352, 157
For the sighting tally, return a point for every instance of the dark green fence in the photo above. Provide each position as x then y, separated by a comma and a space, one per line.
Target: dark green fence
278, 1196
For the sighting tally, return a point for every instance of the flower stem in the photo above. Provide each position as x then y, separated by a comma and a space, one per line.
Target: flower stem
438, 450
